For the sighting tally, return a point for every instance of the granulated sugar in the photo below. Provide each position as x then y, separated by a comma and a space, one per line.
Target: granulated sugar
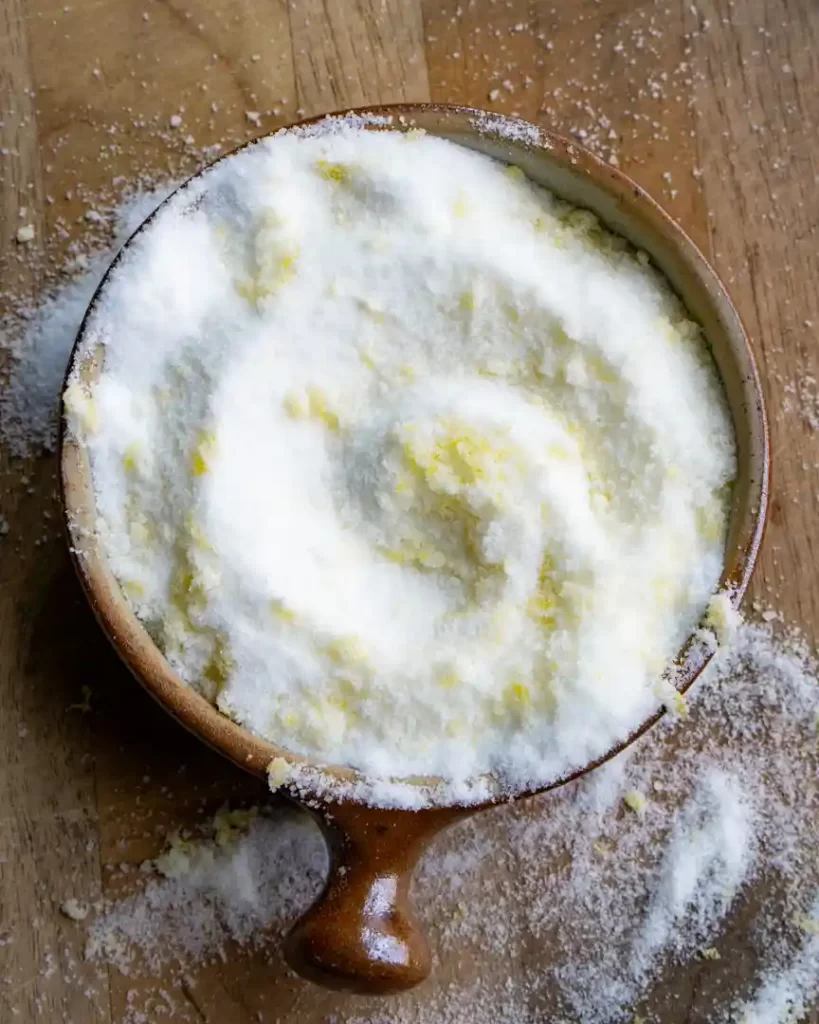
431, 479
38, 339
246, 876
802, 398
786, 994
612, 896
593, 903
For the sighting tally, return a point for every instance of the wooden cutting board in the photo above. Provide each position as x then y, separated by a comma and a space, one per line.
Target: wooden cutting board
711, 106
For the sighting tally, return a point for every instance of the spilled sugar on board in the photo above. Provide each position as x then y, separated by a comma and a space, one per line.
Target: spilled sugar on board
731, 814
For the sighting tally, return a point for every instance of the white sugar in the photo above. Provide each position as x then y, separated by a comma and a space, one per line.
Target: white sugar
234, 885
38, 339
786, 993
429, 478
708, 855
569, 906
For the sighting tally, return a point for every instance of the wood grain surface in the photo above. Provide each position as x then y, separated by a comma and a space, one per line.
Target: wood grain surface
712, 106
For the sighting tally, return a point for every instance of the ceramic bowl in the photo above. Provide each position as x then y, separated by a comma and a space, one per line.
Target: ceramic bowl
361, 933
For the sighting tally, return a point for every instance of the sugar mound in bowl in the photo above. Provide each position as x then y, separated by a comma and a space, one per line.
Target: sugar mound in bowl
404, 463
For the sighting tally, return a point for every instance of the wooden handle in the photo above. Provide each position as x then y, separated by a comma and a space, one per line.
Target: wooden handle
362, 934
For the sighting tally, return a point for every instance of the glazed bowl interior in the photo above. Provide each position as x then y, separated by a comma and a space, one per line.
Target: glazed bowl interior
577, 176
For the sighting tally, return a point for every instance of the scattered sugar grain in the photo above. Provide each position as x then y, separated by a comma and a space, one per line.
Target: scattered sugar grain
74, 909
530, 883
38, 338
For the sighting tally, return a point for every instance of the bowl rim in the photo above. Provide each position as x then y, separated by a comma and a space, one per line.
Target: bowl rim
142, 656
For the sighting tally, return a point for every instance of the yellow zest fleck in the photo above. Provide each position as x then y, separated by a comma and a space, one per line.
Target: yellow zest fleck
311, 403
467, 302
710, 521
197, 534
635, 801
274, 271
514, 172
129, 458
722, 618
461, 455
372, 309
287, 264
710, 953
516, 694
132, 589
448, 679
338, 702
351, 689
251, 291
218, 669
230, 826
560, 337
407, 372
601, 370
558, 452
542, 606
667, 331
415, 553
320, 409
807, 924
542, 609
296, 405
678, 703
338, 173
582, 221
602, 846
281, 611
185, 587
511, 312
82, 406
203, 453
278, 772
347, 650
498, 368
459, 207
